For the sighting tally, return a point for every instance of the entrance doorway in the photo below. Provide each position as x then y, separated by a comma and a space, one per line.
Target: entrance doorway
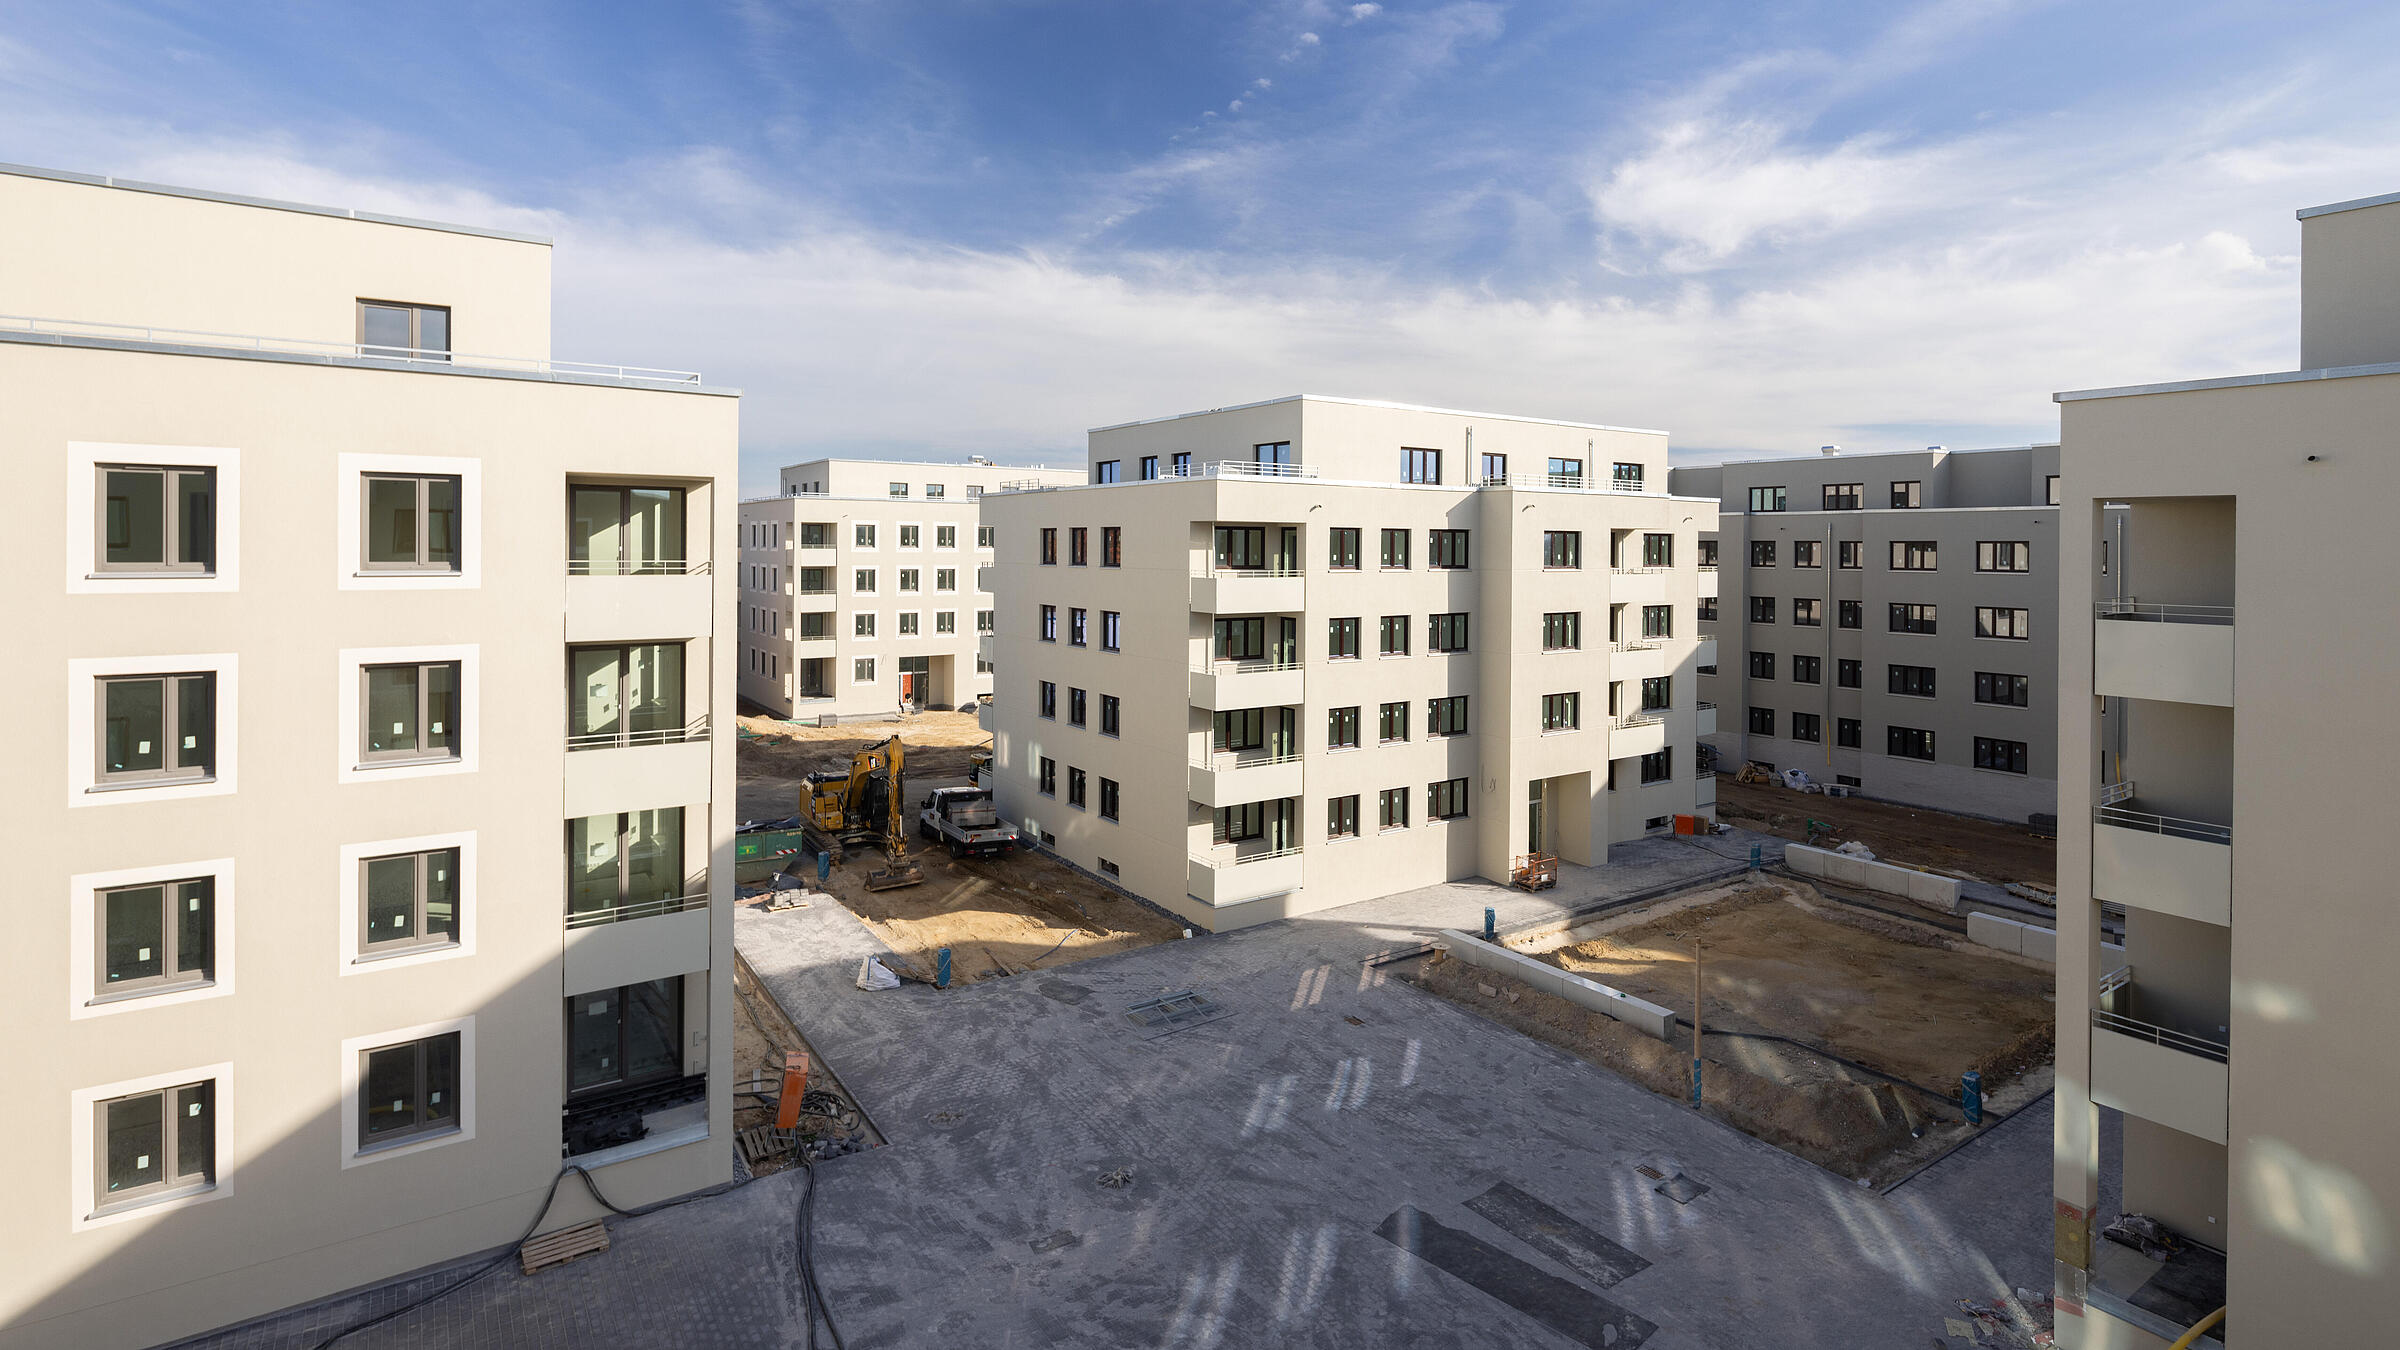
916, 681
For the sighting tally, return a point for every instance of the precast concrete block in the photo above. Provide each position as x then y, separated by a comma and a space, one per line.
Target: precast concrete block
1927, 889
2041, 944
1808, 862
1844, 869
1989, 930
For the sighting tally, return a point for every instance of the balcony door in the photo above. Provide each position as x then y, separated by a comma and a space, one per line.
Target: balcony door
625, 695
625, 531
625, 1037
626, 858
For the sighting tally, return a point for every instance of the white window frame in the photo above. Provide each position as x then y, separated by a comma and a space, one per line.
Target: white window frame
854, 680
84, 459
83, 727
902, 620
84, 1151
354, 1051
349, 959
350, 694
350, 514
84, 996
899, 545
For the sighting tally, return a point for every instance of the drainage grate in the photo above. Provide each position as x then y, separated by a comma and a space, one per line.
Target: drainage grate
1173, 1012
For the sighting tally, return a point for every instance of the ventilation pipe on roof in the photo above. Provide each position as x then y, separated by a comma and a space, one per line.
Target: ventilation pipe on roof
1829, 449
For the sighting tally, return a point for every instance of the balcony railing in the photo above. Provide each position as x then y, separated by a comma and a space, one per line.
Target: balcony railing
1639, 570
430, 356
1242, 468
2113, 793
813, 637
1644, 718
694, 730
1223, 858
2115, 980
2149, 822
824, 543
1230, 665
637, 567
1637, 644
2136, 610
2201, 1046
1708, 567
639, 909
1248, 573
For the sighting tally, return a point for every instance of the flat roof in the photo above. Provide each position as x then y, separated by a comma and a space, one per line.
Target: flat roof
268, 203
938, 464
1840, 455
2228, 382
1376, 403
2356, 204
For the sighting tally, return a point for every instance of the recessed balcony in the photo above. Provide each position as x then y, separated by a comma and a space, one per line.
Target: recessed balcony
1639, 585
2167, 864
631, 944
1231, 777
1249, 591
2173, 653
1229, 876
660, 602
1221, 686
2173, 1077
1637, 733
1705, 723
614, 771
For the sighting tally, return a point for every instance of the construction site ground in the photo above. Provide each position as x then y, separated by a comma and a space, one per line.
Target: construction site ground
1933, 841
1778, 958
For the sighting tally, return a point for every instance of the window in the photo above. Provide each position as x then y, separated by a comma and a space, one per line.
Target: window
403, 331
945, 579
1049, 630
1850, 554
1907, 496
1049, 777
1110, 712
626, 1036
1241, 639
1658, 691
2003, 556
862, 670
409, 712
1394, 554
153, 1145
1808, 669
2000, 756
945, 621
1762, 665
1762, 609
1808, 553
408, 1091
1446, 632
936, 490
1495, 469
157, 937
1341, 640
1658, 766
408, 900
1149, 467
1391, 722
1181, 463
1625, 477
1108, 799
816, 534
1708, 553
1658, 621
1565, 472
1446, 800
1766, 499
1762, 721
1079, 547
2008, 691
1341, 728
1049, 546
912, 536
1078, 627
1846, 732
621, 859
1112, 546
1908, 742
1563, 631
1913, 555
1277, 452
1808, 613
1112, 631
1562, 712
1562, 548
985, 534
1705, 609
1913, 681
1850, 613
862, 581
1913, 618
862, 624
984, 622
158, 519
862, 536
1241, 548
1239, 824
911, 579
1848, 673
1762, 553
899, 489
1395, 635
908, 624
2003, 623
1391, 809
1075, 787
2050, 490
1446, 716
1105, 471
1240, 729
1341, 817
1342, 549
1049, 702
1420, 466
1808, 727
1844, 496
1446, 548
412, 523
157, 728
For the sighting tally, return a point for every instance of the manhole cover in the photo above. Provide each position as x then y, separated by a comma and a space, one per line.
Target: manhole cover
1681, 1189
1172, 1012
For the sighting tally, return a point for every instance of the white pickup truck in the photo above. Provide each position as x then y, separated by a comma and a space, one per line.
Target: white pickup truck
965, 819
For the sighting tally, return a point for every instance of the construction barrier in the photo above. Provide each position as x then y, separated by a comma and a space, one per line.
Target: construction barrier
1549, 979
1933, 892
2030, 940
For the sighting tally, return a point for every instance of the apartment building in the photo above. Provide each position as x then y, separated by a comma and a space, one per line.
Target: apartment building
863, 586
2182, 720
366, 809
1388, 645
1886, 621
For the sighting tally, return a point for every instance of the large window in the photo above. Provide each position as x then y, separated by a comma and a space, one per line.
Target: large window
2000, 756
408, 1091
1341, 728
1562, 712
1808, 613
1913, 618
1394, 551
1341, 817
1274, 452
2009, 691
408, 900
1391, 722
1240, 729
1846, 732
1762, 609
1241, 548
1659, 765
1808, 669
1762, 553
1658, 621
1562, 631
1239, 824
1850, 613
2013, 624
1420, 466
410, 712
1446, 800
1391, 809
412, 523
1848, 673
1342, 548
1913, 555
1850, 555
1625, 477
157, 937
1395, 635
1908, 742
627, 695
1658, 550
1446, 632
1762, 721
157, 519
1107, 471
1908, 495
1762, 665
1446, 716
1562, 548
1766, 499
1808, 553
626, 1036
1341, 639
403, 332
1808, 727
1241, 639
157, 728
1658, 691
2000, 555
1446, 548
625, 865
155, 1144
1913, 681
1844, 496
630, 531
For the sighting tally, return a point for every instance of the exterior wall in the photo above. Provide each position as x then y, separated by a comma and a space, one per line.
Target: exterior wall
1968, 497
2350, 285
295, 1213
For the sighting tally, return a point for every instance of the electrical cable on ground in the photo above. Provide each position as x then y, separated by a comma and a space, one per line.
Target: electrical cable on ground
812, 1296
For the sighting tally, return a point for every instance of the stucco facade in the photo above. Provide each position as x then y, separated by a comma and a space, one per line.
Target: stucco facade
320, 704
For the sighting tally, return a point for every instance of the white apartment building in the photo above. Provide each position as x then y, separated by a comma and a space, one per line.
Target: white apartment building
863, 586
2206, 703
1887, 621
1287, 655
364, 808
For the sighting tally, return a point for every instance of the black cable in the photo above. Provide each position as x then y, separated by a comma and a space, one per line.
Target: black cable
812, 1296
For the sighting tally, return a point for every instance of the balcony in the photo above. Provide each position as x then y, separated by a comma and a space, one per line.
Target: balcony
1706, 724
630, 944
1637, 733
1638, 585
1708, 582
1704, 792
1226, 685
2174, 653
1259, 591
2172, 1077
1228, 877
817, 543
656, 601
1638, 658
1231, 777
628, 771
983, 646
2166, 864
1705, 654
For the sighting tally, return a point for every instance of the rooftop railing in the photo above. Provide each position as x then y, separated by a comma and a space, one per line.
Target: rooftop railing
1242, 468
2149, 822
424, 356
626, 738
2150, 613
1237, 665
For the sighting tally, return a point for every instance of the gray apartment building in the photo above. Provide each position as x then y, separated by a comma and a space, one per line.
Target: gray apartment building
1888, 621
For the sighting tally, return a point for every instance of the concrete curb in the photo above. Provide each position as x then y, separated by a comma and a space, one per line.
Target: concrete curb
1549, 979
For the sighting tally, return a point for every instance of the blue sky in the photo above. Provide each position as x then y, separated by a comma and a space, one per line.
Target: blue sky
933, 229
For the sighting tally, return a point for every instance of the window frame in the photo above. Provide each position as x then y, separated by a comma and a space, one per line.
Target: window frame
1341, 817
421, 863
1112, 715
1849, 733
1392, 635
1342, 543
1446, 550
1905, 681
1762, 553
358, 1146
1808, 612
1844, 496
415, 756
1564, 624
1562, 550
416, 350
1446, 799
1445, 716
1342, 727
171, 1186
171, 716
1392, 551
423, 564
1768, 499
1904, 743
172, 526
1990, 554
1918, 619
1391, 810
1988, 624
1342, 640
1916, 555
1420, 465
1562, 712
1988, 684
1111, 798
1908, 494
1112, 546
1446, 633
1391, 722
173, 976
1995, 754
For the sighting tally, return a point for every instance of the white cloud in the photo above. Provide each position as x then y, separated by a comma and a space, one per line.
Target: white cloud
1361, 13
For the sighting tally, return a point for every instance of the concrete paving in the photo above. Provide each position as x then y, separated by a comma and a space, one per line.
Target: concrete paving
1340, 1160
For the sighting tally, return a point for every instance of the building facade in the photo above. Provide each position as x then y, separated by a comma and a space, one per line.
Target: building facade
1887, 621
1388, 646
366, 810
863, 586
2239, 1033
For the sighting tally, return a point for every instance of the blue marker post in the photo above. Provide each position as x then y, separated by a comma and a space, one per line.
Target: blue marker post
824, 867
1490, 932
941, 969
1755, 852
1970, 1096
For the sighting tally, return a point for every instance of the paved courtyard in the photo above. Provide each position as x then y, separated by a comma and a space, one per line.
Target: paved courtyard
1337, 1160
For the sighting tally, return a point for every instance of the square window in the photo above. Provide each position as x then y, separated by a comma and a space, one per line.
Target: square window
1391, 809
156, 729
400, 331
408, 1091
908, 624
155, 938
412, 523
408, 901
409, 712
156, 519
1341, 817
153, 1145
862, 624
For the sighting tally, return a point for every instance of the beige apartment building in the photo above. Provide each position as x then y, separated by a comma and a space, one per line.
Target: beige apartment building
365, 805
1887, 621
2207, 702
1288, 655
863, 586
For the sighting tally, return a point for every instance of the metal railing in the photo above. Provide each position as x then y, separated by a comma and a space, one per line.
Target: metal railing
1626, 485
1644, 718
1242, 468
1025, 485
2134, 609
1215, 862
813, 637
1245, 666
1708, 567
2150, 822
638, 567
639, 909
2115, 980
427, 356
2200, 1046
1639, 644
1639, 569
1222, 760
2112, 793
826, 542
1248, 573
694, 730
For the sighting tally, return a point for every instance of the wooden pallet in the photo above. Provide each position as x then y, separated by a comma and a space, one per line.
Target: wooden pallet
765, 1143
567, 1244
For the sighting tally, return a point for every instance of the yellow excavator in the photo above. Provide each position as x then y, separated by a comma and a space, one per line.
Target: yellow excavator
863, 807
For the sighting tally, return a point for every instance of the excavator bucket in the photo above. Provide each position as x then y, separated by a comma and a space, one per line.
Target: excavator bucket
893, 878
